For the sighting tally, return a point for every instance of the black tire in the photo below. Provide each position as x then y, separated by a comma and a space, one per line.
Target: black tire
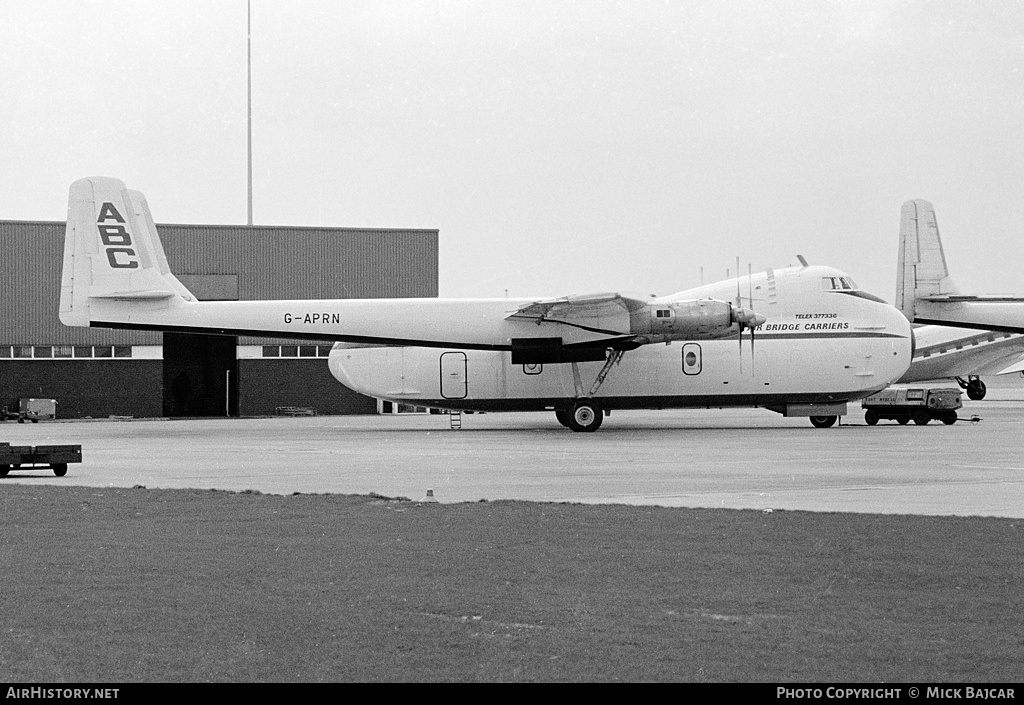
949, 418
871, 417
35, 420
903, 420
60, 469
921, 417
4, 469
563, 416
976, 390
585, 417
823, 421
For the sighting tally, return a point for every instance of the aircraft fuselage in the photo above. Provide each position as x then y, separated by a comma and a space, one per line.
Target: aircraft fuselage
816, 346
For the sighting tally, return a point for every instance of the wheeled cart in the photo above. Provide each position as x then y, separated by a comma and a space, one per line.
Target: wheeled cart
29, 457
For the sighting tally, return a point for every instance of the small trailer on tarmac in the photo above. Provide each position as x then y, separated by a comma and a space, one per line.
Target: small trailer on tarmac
912, 404
30, 457
30, 410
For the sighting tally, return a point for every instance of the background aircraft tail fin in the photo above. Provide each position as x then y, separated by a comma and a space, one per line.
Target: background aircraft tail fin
922, 267
112, 252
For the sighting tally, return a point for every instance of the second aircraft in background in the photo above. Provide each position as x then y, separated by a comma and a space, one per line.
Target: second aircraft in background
964, 336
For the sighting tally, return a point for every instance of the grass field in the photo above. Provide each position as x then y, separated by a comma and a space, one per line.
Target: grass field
137, 585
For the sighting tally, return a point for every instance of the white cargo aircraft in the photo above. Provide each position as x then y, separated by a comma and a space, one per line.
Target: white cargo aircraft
969, 335
821, 341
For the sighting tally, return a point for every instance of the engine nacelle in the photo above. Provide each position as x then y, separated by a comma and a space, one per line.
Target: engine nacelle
701, 319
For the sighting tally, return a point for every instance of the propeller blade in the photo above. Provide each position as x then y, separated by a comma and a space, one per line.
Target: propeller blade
739, 310
750, 301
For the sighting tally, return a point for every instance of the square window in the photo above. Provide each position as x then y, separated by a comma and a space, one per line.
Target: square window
5, 351
62, 350
289, 351
323, 350
23, 351
307, 351
122, 351
103, 351
83, 351
271, 351
44, 351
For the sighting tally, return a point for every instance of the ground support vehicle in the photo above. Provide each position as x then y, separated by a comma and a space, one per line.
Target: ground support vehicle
30, 410
30, 457
912, 404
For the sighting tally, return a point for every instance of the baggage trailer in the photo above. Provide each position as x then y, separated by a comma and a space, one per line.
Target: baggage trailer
912, 404
29, 457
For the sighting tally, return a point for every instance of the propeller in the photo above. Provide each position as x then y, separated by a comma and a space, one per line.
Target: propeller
745, 317
750, 300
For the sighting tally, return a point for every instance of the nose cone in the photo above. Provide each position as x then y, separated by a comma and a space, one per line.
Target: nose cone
747, 317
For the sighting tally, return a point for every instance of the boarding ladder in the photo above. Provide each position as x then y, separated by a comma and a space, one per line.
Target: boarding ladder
455, 419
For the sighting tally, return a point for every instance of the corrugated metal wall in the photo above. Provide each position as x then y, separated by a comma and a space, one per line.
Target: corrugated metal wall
270, 262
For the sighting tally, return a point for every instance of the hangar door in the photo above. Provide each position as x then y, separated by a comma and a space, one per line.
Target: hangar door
200, 375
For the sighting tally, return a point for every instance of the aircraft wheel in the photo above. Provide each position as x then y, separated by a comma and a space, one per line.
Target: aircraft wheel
949, 418
921, 417
976, 390
823, 421
4, 469
60, 469
585, 417
871, 417
903, 420
563, 416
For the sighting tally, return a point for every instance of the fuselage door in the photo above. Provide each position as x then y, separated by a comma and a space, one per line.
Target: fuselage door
691, 359
454, 383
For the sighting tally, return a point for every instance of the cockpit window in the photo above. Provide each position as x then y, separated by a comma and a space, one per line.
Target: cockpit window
847, 286
837, 284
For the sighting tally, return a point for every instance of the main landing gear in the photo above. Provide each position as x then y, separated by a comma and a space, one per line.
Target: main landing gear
585, 415
975, 387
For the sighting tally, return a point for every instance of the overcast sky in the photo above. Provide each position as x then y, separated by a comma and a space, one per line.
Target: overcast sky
559, 147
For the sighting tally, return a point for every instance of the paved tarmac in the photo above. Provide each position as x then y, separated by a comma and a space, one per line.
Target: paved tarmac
747, 458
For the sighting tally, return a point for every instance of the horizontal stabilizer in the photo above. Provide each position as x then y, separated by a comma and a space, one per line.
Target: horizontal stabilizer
980, 298
132, 295
1015, 367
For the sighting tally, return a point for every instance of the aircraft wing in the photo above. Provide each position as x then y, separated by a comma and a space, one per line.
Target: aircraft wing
585, 306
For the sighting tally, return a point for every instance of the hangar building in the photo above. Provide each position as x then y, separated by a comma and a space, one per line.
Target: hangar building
96, 372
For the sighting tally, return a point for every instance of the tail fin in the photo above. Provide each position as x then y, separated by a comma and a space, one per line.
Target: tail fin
922, 267
112, 253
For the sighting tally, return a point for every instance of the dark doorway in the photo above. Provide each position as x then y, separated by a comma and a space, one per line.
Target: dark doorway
200, 375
